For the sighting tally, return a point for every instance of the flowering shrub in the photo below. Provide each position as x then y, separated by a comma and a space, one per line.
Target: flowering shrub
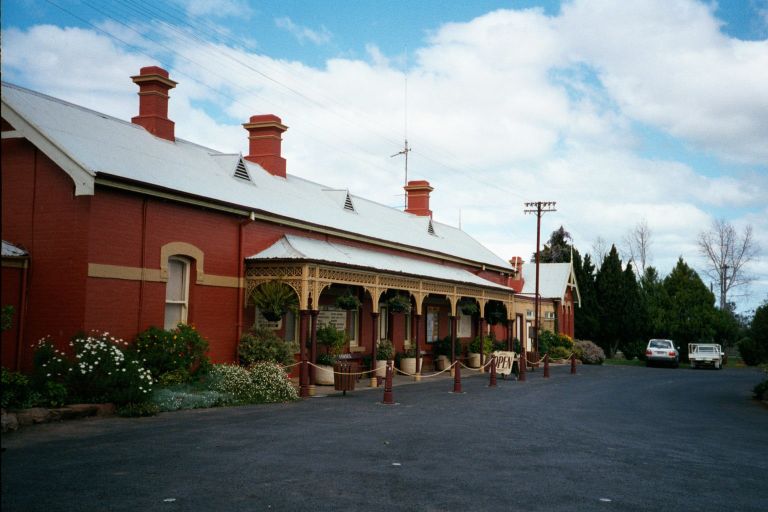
263, 383
588, 352
264, 345
50, 375
548, 340
102, 373
232, 380
271, 384
180, 350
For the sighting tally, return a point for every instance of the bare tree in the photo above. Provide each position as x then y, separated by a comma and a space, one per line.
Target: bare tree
727, 254
638, 245
599, 250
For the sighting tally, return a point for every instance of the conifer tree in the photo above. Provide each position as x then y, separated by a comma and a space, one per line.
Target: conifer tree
609, 284
691, 307
586, 316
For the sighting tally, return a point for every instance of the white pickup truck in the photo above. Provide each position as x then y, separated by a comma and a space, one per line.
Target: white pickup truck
705, 354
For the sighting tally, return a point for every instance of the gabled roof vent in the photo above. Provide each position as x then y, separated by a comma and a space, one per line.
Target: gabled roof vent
241, 171
348, 203
431, 228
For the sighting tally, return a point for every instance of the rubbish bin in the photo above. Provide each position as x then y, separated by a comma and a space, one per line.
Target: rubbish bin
343, 377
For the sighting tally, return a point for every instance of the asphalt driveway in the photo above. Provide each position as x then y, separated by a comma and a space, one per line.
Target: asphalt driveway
608, 438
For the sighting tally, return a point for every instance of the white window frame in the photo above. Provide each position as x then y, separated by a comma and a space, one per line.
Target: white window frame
185, 301
383, 322
353, 327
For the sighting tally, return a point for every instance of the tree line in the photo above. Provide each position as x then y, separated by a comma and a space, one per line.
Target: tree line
622, 306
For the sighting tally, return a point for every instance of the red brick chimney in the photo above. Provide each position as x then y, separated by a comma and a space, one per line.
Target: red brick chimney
417, 198
154, 85
265, 136
516, 280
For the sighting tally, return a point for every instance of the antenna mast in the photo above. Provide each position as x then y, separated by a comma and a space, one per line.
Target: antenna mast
405, 149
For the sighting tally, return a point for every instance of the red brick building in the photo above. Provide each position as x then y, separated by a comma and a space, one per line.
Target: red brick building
120, 226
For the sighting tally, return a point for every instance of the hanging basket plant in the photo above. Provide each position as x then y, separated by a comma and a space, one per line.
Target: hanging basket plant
468, 307
399, 304
348, 301
274, 299
495, 313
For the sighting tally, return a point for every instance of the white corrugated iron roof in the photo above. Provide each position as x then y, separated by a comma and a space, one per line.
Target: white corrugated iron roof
11, 251
554, 279
103, 145
292, 247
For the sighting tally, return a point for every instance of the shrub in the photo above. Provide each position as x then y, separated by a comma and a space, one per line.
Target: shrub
326, 359
174, 378
589, 353
52, 370
137, 410
385, 350
559, 353
182, 348
170, 399
264, 382
264, 345
270, 384
751, 352
760, 392
481, 343
102, 373
17, 391
331, 338
634, 349
231, 380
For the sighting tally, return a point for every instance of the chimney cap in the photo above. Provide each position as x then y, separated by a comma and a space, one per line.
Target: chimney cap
419, 185
265, 121
154, 73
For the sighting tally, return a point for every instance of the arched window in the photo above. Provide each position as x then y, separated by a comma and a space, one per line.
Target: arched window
176, 292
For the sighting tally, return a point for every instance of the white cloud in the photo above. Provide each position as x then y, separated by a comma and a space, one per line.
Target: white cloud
302, 33
501, 109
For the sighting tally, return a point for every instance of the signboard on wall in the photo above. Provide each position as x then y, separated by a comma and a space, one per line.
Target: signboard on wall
465, 326
334, 316
433, 323
504, 361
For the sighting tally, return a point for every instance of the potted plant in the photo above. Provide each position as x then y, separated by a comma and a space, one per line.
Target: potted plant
443, 353
333, 340
479, 345
408, 359
385, 351
399, 304
274, 299
468, 307
495, 313
348, 301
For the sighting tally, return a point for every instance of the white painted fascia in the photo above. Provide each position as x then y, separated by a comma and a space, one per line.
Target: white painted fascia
83, 178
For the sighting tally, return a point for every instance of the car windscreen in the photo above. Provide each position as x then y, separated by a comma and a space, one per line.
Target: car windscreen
660, 344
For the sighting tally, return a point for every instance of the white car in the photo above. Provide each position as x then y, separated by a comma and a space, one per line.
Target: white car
662, 351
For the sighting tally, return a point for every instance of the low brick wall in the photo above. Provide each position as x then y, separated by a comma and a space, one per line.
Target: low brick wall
13, 420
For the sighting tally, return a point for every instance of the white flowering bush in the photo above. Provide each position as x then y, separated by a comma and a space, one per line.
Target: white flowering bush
271, 384
263, 382
102, 373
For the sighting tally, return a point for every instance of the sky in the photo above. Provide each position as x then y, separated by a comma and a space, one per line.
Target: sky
653, 111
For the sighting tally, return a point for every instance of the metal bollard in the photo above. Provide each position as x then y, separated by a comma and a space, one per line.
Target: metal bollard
522, 364
573, 364
304, 379
457, 378
492, 384
546, 366
388, 400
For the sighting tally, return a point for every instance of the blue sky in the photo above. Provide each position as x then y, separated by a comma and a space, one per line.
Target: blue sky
623, 112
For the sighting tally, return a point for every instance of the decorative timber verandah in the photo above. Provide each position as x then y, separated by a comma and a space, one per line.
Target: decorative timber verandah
309, 279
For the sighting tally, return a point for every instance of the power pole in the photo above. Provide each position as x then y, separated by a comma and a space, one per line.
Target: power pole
539, 208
